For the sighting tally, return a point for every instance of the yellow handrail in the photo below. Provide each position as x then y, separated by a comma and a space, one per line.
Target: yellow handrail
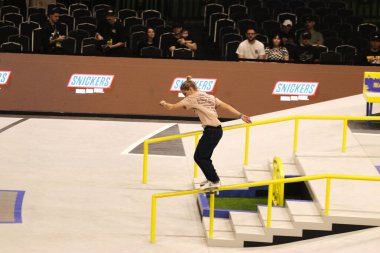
268, 183
278, 189
296, 119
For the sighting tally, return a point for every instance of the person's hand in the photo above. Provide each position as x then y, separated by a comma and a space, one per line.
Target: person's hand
99, 37
162, 103
245, 118
60, 38
181, 41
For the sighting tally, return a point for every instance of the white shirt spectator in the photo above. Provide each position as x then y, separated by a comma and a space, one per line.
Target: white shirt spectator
247, 50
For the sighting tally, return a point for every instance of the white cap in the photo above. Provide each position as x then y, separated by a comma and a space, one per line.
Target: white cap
287, 22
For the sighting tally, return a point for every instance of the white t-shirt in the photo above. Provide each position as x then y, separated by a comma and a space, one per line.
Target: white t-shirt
205, 106
250, 51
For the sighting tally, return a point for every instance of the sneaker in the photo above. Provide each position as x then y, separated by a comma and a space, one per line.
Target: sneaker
211, 185
203, 183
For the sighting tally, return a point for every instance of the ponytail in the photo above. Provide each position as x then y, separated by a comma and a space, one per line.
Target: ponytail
186, 85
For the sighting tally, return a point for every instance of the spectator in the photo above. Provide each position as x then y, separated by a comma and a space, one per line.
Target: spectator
110, 35
177, 35
251, 48
287, 33
316, 37
276, 51
150, 40
186, 41
306, 53
372, 55
52, 35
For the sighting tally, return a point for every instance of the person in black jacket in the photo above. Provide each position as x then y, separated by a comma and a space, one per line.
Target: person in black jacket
110, 35
53, 33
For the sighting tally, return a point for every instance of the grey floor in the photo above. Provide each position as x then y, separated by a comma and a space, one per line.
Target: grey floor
83, 190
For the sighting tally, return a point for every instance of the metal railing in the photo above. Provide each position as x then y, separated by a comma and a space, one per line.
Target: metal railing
269, 183
278, 189
296, 119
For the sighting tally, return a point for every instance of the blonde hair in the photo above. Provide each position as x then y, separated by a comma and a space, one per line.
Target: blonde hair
186, 85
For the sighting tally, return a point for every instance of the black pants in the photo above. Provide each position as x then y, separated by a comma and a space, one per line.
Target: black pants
202, 156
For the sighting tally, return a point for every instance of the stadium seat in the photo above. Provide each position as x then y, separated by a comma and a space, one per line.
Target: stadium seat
90, 50
76, 6
39, 18
237, 8
137, 28
7, 31
20, 4
78, 35
90, 28
154, 22
21, 39
81, 13
330, 57
151, 52
150, 14
6, 23
86, 19
126, 13
162, 29
221, 23
182, 53
11, 47
228, 38
366, 29
9, 9
37, 46
210, 9
286, 15
68, 20
131, 21
16, 18
213, 18
230, 51
69, 46
332, 42
32, 10
224, 31
135, 39
348, 53
243, 25
270, 27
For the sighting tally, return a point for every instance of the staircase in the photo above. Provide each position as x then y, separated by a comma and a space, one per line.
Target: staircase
301, 219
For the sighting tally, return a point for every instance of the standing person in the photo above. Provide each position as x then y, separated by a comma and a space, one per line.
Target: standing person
275, 51
251, 48
205, 105
53, 33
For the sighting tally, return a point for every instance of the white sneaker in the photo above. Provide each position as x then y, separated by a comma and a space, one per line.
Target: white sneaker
203, 183
210, 185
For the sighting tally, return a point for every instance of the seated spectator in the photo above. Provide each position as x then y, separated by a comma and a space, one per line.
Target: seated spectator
184, 41
316, 37
150, 39
110, 35
306, 53
177, 34
287, 33
251, 48
372, 55
275, 51
52, 35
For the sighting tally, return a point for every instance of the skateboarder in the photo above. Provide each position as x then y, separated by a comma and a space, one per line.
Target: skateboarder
205, 105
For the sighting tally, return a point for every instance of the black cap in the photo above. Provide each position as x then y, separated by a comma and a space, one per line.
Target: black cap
306, 36
54, 10
310, 18
110, 13
375, 36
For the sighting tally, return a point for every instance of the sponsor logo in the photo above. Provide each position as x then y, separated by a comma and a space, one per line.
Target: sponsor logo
4, 77
89, 81
372, 81
203, 84
304, 89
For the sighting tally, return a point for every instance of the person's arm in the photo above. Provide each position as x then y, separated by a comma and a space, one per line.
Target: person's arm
262, 53
98, 36
191, 45
169, 106
239, 52
119, 44
238, 114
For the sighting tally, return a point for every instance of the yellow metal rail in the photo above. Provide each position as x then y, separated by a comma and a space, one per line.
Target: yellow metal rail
269, 183
278, 189
296, 119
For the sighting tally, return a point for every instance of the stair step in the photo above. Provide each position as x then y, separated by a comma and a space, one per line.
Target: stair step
224, 239
305, 215
248, 227
256, 167
290, 169
223, 235
281, 223
220, 224
355, 217
256, 176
